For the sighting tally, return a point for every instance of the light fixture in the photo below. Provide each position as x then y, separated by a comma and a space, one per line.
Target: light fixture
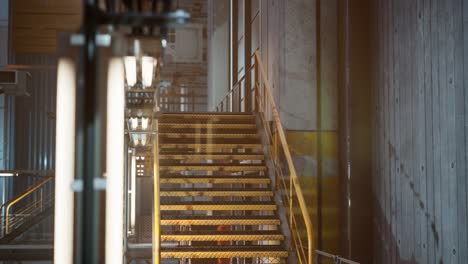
133, 123
137, 157
164, 43
144, 123
147, 70
8, 174
114, 162
136, 139
130, 70
65, 161
142, 158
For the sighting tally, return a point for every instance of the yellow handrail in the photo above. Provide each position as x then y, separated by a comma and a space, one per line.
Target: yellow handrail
264, 104
20, 197
156, 213
293, 177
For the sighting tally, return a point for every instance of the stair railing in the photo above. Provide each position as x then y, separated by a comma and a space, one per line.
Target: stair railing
286, 179
33, 201
156, 201
324, 257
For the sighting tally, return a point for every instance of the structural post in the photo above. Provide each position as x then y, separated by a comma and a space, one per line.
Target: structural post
248, 55
88, 146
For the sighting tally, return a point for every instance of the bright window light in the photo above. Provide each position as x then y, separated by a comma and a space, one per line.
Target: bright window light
65, 161
133, 194
147, 70
130, 70
143, 139
144, 123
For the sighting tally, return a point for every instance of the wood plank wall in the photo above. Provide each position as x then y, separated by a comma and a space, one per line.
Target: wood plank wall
35, 24
420, 103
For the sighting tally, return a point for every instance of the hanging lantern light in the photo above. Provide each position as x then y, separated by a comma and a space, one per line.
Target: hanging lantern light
147, 70
130, 70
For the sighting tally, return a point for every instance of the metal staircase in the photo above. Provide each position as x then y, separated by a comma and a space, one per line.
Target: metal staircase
26, 210
225, 189
216, 197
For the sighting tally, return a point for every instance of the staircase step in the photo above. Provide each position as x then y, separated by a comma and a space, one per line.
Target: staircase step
213, 120
201, 131
207, 135
210, 192
208, 146
207, 126
215, 180
218, 220
205, 252
219, 206
237, 141
210, 156
221, 236
207, 115
206, 167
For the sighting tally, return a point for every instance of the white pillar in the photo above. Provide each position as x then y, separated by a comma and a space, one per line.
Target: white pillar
115, 162
64, 161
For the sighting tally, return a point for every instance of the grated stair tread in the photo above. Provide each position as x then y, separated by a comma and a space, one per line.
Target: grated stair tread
210, 156
212, 235
206, 167
207, 125
224, 251
218, 206
212, 192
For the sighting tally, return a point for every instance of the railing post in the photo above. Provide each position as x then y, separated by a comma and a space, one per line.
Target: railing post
275, 157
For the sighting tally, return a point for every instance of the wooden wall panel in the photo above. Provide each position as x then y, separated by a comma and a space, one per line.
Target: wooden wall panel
420, 131
35, 24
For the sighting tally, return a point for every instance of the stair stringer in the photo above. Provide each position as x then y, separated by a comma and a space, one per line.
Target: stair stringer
281, 210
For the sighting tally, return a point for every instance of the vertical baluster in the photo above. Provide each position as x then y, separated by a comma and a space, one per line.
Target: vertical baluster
276, 158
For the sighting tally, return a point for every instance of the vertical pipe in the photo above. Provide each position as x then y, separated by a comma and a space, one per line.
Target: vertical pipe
347, 126
89, 145
115, 162
319, 125
65, 162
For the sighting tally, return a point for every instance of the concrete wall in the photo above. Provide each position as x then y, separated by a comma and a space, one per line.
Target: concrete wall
285, 33
420, 105
186, 61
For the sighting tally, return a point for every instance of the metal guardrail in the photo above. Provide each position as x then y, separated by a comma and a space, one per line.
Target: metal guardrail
36, 200
322, 257
285, 174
